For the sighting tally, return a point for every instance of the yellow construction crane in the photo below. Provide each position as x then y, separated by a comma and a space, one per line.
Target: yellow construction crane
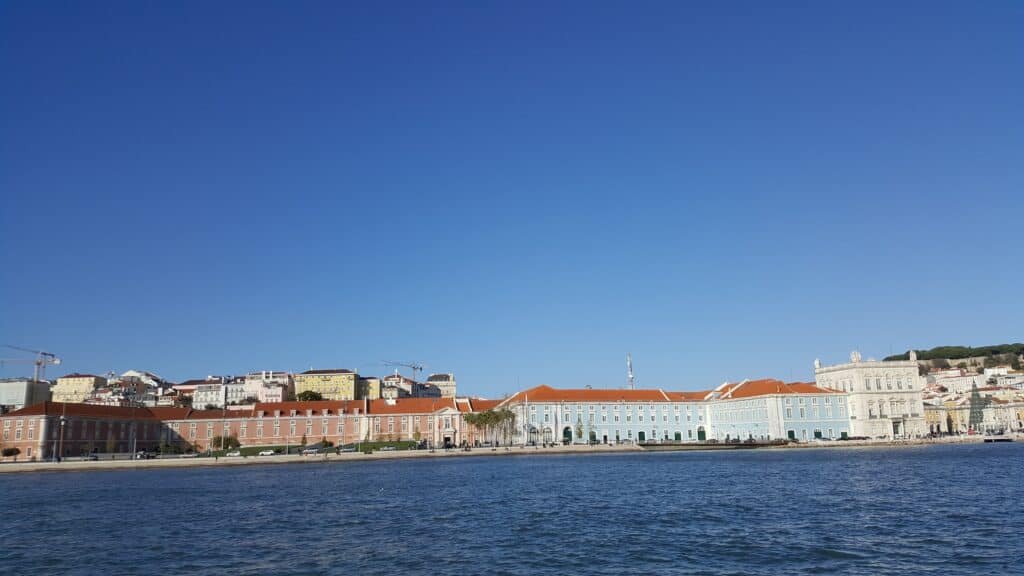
41, 360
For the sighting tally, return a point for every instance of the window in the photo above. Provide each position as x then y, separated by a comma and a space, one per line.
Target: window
802, 414
789, 412
209, 430
242, 430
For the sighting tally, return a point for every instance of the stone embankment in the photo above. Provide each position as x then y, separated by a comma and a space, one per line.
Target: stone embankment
179, 462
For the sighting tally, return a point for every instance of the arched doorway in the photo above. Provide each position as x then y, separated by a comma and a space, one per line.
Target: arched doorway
701, 434
567, 435
641, 436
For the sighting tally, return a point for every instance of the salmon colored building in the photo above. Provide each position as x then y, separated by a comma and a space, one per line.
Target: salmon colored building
50, 428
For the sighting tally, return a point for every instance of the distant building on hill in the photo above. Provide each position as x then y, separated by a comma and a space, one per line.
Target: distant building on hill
16, 393
444, 382
76, 387
337, 384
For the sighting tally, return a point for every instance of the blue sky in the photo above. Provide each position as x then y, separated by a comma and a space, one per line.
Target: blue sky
516, 192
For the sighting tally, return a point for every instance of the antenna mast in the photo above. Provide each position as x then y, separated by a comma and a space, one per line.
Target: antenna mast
629, 371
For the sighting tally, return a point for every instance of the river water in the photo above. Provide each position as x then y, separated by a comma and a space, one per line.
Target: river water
925, 510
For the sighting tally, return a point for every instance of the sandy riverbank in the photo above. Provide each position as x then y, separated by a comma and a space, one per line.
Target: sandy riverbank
175, 462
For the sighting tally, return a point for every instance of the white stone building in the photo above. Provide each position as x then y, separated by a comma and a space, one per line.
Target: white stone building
269, 386
444, 382
884, 398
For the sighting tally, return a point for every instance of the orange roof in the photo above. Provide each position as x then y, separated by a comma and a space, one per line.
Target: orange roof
83, 410
544, 393
319, 407
481, 405
411, 405
687, 396
766, 386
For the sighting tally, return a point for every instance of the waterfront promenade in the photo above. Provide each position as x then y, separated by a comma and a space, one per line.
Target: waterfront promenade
204, 462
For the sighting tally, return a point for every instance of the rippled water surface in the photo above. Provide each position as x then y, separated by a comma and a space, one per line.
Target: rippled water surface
931, 510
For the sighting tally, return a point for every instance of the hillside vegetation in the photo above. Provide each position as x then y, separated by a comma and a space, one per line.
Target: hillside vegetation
956, 352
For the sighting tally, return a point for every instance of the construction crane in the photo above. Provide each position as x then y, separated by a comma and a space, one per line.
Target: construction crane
416, 367
40, 361
629, 371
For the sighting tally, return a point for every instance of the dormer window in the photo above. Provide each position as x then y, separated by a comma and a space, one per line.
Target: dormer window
292, 413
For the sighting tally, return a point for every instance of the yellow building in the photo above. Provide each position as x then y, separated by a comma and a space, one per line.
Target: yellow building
75, 388
333, 384
369, 388
935, 418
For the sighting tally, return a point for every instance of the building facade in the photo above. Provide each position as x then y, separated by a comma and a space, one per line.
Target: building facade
44, 430
16, 393
580, 416
444, 382
884, 398
76, 387
332, 384
768, 409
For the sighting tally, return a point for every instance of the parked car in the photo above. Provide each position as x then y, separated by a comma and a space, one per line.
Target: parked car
310, 451
143, 455
267, 452
342, 449
234, 453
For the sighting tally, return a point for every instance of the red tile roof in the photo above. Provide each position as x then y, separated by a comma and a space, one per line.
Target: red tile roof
481, 405
766, 386
84, 411
546, 393
411, 405
319, 407
687, 396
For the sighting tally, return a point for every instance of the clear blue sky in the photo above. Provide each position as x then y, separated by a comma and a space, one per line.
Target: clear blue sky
511, 191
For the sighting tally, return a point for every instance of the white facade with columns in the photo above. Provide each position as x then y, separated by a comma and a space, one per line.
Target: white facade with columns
884, 398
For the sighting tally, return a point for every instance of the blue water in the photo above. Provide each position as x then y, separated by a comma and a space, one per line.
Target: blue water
931, 510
